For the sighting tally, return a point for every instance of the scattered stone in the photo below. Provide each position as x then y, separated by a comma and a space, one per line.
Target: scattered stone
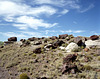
38, 43
86, 49
1, 46
53, 37
49, 46
62, 47
72, 46
22, 40
32, 39
78, 41
8, 42
58, 43
12, 39
92, 43
70, 58
37, 50
70, 68
94, 37
63, 36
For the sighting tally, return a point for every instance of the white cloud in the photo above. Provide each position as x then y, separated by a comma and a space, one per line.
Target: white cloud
86, 9
30, 22
24, 16
12, 34
9, 8
64, 11
22, 34
71, 31
59, 3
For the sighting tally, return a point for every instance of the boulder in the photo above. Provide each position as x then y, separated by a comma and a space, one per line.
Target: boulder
49, 46
86, 49
37, 50
32, 39
58, 43
8, 42
37, 42
53, 37
22, 40
1, 46
43, 37
79, 41
92, 43
63, 36
61, 47
55, 44
69, 68
72, 46
94, 37
12, 39
69, 58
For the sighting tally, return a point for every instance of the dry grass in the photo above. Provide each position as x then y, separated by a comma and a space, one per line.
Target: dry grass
47, 64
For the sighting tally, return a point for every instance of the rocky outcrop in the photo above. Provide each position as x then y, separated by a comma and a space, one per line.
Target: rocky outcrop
12, 39
72, 46
94, 37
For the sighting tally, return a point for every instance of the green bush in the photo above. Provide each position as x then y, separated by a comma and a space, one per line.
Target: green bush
24, 76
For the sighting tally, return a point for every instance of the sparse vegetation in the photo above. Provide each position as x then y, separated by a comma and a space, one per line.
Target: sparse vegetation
49, 62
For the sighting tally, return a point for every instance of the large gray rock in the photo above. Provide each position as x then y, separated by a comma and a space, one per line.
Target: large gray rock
72, 46
92, 43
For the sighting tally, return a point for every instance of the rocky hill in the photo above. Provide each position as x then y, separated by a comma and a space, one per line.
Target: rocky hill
62, 57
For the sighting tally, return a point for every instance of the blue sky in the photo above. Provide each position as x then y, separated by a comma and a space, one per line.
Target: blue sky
39, 18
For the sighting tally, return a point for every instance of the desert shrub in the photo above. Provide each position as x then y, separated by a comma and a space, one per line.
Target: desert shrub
63, 50
65, 45
60, 54
76, 50
87, 67
34, 55
99, 58
24, 76
11, 64
1, 43
98, 77
82, 75
89, 57
50, 48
